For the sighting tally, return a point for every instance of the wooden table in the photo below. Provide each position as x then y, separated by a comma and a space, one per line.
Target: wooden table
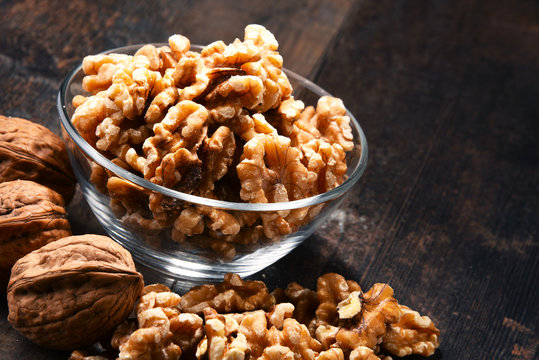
448, 95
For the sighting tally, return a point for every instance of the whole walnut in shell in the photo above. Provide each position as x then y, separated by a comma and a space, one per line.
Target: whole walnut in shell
31, 215
29, 151
72, 292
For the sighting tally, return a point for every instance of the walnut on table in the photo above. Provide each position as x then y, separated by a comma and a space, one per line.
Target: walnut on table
223, 339
305, 301
331, 290
272, 332
232, 295
73, 291
411, 334
79, 355
163, 331
30, 151
348, 318
31, 215
364, 353
367, 328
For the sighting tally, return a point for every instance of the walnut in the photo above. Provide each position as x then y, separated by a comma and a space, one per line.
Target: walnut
79, 355
331, 290
326, 160
224, 249
293, 341
31, 215
100, 69
367, 328
232, 295
246, 90
152, 339
331, 354
179, 45
279, 313
304, 128
296, 336
184, 119
163, 331
187, 331
174, 145
351, 306
326, 335
411, 334
270, 170
216, 154
304, 300
350, 318
130, 90
277, 352
73, 291
160, 104
89, 115
233, 335
188, 223
220, 220
363, 353
152, 54
333, 122
222, 338
254, 327
267, 68
284, 117
29, 151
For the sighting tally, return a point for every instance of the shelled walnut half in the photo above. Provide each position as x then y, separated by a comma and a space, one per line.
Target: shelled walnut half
235, 323
71, 292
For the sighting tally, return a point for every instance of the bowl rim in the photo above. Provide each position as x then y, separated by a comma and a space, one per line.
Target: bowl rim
95, 156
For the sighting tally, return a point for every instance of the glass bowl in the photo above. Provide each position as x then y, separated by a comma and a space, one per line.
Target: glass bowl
204, 259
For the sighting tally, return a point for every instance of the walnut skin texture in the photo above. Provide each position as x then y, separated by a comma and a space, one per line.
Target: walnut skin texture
31, 215
29, 151
73, 291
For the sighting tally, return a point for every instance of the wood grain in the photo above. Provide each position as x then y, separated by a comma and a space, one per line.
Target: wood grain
447, 95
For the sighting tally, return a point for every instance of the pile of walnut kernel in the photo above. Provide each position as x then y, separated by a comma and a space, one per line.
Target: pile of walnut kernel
241, 320
221, 123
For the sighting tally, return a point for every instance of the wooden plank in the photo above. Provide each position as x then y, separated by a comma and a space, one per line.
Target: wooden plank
447, 209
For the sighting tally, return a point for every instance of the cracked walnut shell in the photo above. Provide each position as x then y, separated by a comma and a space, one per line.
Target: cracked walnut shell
29, 151
71, 292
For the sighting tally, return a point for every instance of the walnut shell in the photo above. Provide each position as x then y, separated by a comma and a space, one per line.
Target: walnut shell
72, 292
31, 215
29, 151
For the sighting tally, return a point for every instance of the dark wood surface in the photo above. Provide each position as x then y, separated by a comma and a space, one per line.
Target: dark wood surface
448, 95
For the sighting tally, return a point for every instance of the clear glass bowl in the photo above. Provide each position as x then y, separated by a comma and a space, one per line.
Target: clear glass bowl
188, 261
